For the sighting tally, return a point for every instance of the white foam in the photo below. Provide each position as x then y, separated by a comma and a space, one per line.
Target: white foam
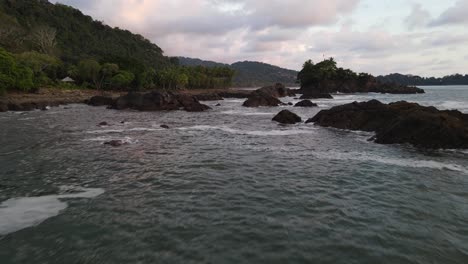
234, 112
125, 140
359, 156
20, 213
453, 105
116, 131
293, 131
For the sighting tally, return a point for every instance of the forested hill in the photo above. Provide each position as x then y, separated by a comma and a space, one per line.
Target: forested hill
69, 34
456, 79
249, 73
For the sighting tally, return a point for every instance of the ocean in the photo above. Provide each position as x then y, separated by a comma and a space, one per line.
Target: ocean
226, 186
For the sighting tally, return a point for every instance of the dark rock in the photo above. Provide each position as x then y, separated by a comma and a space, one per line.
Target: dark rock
260, 99
158, 101
218, 105
287, 117
208, 97
399, 123
103, 124
115, 143
45, 108
191, 104
100, 101
290, 103
305, 103
165, 126
316, 96
3, 107
235, 94
278, 90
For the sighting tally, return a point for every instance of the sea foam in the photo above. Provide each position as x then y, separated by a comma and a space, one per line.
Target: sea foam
294, 131
20, 213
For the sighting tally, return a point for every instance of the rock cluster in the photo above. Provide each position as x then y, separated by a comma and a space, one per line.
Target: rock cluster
305, 103
399, 123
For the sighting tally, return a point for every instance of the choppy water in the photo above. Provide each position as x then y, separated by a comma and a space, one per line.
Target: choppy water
226, 186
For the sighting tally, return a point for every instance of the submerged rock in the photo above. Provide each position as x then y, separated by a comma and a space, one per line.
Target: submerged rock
115, 143
165, 126
400, 122
287, 117
305, 103
103, 124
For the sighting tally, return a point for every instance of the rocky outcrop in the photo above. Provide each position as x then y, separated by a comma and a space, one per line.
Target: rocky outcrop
316, 96
262, 99
287, 117
235, 94
3, 106
100, 100
208, 97
278, 90
305, 103
399, 123
158, 101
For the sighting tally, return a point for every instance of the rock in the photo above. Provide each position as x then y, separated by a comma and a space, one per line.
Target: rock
316, 96
165, 126
208, 97
158, 101
100, 101
287, 117
191, 104
235, 94
3, 107
399, 123
290, 103
218, 105
305, 103
115, 143
45, 108
103, 124
261, 99
278, 90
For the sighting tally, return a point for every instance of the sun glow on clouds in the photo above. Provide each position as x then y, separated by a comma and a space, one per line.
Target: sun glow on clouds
367, 35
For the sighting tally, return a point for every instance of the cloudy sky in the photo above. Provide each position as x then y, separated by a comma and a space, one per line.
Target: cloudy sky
425, 37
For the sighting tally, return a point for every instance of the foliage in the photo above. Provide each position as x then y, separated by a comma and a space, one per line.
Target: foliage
455, 79
122, 79
14, 75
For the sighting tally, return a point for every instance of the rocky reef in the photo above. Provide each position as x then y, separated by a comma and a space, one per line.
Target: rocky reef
400, 123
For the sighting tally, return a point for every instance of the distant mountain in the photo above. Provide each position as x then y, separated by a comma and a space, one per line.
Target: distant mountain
250, 73
456, 79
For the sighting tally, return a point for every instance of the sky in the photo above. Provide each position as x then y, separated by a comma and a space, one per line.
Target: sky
423, 37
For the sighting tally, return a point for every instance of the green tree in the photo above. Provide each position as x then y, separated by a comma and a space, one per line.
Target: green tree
122, 79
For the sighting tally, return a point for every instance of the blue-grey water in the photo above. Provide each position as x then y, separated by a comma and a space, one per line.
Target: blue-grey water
226, 186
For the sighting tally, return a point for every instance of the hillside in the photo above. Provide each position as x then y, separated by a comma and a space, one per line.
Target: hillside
249, 73
455, 79
66, 32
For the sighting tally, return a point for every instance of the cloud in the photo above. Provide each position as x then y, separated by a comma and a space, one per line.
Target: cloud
419, 17
453, 15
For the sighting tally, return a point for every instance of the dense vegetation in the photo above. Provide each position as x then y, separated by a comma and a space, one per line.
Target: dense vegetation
250, 74
313, 75
42, 43
456, 79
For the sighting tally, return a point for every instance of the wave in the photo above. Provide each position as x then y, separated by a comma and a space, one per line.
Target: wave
20, 213
453, 105
234, 112
125, 140
116, 131
359, 156
294, 131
